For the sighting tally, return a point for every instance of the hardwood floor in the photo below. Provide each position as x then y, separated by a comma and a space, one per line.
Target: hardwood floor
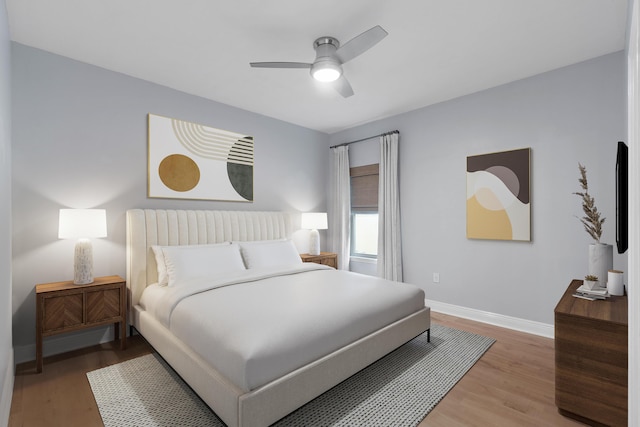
60, 396
511, 385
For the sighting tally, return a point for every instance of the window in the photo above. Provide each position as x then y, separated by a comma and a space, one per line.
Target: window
364, 211
364, 234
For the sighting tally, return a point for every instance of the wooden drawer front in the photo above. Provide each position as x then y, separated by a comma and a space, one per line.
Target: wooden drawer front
596, 349
591, 368
325, 258
62, 312
103, 305
331, 262
586, 397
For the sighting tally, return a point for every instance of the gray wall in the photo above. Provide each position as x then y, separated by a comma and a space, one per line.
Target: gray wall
574, 114
80, 140
6, 349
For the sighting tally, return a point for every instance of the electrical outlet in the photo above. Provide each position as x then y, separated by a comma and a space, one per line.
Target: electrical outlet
436, 277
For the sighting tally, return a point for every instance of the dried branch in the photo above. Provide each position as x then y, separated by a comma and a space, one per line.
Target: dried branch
591, 221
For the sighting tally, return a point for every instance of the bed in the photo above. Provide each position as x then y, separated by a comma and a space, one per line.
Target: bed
257, 362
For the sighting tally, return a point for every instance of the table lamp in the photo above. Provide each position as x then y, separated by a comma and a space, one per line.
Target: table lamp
82, 224
314, 221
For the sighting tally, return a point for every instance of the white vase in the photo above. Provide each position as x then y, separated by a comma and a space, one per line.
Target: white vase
600, 261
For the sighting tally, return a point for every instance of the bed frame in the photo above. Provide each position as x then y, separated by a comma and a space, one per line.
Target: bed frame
267, 404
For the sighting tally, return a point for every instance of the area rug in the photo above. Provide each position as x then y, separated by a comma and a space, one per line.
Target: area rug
398, 390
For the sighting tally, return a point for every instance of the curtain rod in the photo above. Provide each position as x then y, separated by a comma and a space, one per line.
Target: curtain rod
364, 139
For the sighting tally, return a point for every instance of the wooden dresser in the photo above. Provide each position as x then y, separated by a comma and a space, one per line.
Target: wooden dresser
591, 358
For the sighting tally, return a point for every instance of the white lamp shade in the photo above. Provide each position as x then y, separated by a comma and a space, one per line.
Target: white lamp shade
82, 223
314, 221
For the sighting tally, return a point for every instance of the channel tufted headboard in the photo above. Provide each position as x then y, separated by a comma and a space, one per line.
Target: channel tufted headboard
148, 227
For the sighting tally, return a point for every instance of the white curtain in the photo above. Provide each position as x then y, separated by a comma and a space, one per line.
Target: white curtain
389, 237
340, 206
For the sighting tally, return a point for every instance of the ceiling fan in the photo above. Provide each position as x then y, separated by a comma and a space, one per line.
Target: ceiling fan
327, 67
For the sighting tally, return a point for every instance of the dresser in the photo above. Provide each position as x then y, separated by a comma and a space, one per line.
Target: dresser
591, 358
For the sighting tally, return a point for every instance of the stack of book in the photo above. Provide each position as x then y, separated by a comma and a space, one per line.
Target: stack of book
591, 294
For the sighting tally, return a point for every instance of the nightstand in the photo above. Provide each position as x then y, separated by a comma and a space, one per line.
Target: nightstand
64, 307
326, 258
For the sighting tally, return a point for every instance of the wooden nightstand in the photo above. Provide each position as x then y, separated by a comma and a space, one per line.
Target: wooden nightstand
326, 258
64, 307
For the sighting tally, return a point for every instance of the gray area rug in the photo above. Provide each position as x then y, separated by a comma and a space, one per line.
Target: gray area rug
398, 390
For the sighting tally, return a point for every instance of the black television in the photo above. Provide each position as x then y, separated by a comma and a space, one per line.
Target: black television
622, 198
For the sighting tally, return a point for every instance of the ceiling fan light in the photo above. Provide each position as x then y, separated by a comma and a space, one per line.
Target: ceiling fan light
326, 72
326, 75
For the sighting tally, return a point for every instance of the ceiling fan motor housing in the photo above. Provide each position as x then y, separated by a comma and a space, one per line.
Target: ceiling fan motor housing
326, 66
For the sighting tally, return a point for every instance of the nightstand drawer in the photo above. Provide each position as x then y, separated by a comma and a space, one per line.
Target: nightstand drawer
103, 305
62, 312
325, 258
331, 262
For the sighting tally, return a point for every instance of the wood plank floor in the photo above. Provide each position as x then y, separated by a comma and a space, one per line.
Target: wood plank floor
511, 385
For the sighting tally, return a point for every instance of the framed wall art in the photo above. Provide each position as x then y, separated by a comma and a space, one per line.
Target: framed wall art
498, 196
192, 161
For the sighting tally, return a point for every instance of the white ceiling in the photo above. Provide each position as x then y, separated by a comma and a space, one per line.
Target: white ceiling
436, 49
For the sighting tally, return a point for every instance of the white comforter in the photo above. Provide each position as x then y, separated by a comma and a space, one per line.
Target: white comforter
259, 325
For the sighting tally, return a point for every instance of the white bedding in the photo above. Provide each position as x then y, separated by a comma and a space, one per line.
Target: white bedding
260, 324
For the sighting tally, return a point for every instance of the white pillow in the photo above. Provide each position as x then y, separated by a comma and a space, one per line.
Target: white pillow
163, 277
186, 262
269, 253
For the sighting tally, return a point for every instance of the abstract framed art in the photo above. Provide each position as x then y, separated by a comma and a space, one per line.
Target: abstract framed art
498, 196
192, 161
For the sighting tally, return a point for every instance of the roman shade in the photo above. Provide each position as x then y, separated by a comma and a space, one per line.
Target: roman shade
364, 187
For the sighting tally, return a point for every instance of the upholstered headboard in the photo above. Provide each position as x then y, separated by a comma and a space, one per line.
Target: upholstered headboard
148, 227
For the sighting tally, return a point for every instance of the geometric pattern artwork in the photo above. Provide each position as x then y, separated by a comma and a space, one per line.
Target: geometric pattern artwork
192, 161
499, 196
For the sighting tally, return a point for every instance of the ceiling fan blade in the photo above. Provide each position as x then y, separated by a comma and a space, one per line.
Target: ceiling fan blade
360, 44
280, 65
343, 87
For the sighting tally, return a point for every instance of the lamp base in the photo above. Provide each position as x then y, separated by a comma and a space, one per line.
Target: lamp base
83, 263
314, 242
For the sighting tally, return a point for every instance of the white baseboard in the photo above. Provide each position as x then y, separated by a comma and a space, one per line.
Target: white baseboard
63, 343
6, 393
522, 325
